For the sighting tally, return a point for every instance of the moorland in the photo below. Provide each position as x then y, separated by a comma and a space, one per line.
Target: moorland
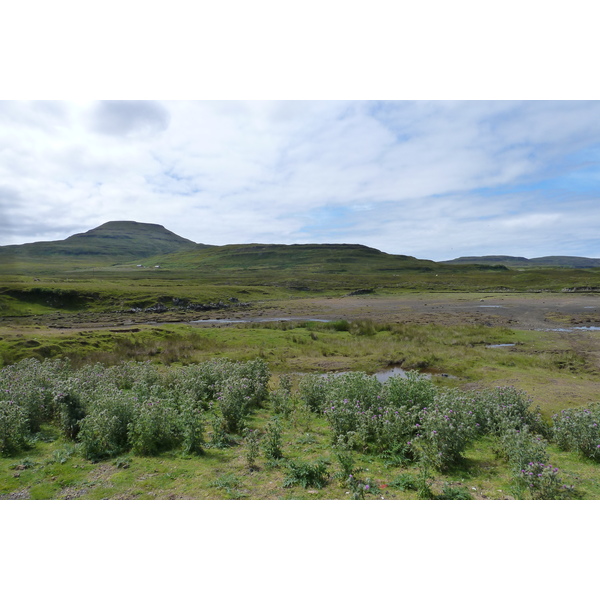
259, 371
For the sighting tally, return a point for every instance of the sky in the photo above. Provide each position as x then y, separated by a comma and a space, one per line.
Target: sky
431, 179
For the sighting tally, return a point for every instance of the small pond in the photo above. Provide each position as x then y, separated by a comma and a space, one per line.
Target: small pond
260, 320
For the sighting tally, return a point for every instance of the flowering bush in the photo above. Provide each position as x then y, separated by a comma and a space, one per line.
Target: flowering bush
354, 387
506, 408
69, 408
578, 429
234, 400
104, 431
191, 428
13, 427
272, 440
311, 390
447, 427
414, 390
281, 398
543, 482
154, 427
520, 447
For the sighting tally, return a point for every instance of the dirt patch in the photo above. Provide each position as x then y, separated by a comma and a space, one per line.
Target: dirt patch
71, 493
18, 495
517, 311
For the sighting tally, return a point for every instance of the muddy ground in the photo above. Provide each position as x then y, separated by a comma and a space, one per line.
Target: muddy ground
516, 311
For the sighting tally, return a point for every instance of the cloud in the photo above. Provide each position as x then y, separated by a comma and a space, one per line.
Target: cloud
430, 179
123, 118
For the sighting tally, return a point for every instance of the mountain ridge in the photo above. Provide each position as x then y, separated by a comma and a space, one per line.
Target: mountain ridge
119, 240
124, 242
572, 262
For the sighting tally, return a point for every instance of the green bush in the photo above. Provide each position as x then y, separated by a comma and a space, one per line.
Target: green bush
104, 431
14, 427
450, 492
446, 429
506, 408
69, 409
543, 482
234, 401
311, 390
414, 390
404, 482
191, 429
154, 428
578, 429
520, 448
272, 441
306, 474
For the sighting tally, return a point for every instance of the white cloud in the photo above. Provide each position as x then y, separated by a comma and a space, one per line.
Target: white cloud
431, 179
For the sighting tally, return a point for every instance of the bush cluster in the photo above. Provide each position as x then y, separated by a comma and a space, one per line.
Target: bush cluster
578, 429
134, 407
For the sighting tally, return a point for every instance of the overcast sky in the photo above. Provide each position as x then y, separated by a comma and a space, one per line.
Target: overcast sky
434, 180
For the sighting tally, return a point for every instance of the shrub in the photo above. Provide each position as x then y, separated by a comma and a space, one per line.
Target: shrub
258, 375
154, 428
306, 474
219, 438
414, 390
520, 448
69, 409
445, 430
311, 390
191, 429
30, 384
450, 492
345, 459
360, 487
234, 401
506, 408
281, 398
13, 427
272, 441
578, 429
354, 387
404, 481
251, 439
543, 482
104, 431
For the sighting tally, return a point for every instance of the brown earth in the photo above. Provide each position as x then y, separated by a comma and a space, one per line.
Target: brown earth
516, 311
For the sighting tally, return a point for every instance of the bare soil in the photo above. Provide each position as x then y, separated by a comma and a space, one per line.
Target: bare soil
516, 311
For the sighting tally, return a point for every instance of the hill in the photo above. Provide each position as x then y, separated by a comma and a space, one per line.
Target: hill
570, 262
115, 241
322, 258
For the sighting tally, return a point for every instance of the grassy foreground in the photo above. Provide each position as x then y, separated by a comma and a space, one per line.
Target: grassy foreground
226, 429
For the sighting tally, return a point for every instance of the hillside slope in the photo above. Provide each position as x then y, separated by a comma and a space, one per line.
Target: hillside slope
570, 262
115, 241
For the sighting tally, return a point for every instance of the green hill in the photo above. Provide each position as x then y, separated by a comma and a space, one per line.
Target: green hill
113, 242
294, 265
322, 258
570, 262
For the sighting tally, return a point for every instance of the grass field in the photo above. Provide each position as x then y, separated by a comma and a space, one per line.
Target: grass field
370, 311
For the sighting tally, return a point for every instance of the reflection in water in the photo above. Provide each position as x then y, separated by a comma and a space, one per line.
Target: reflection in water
500, 345
567, 329
260, 320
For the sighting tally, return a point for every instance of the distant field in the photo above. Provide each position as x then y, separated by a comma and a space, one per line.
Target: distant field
332, 308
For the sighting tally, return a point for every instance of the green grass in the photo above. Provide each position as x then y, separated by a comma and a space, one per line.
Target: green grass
545, 364
223, 474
